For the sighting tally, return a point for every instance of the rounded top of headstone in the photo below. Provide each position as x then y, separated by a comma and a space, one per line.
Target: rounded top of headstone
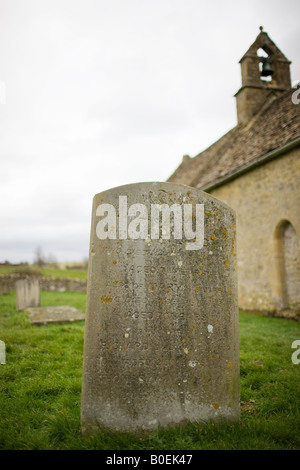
152, 187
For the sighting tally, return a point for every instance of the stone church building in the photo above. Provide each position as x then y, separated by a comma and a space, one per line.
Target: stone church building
255, 169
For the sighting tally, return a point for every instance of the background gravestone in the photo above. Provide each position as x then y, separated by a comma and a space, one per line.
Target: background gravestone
2, 353
161, 331
57, 314
27, 293
4, 285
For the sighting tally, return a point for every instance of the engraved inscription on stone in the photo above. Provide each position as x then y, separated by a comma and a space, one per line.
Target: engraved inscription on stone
161, 331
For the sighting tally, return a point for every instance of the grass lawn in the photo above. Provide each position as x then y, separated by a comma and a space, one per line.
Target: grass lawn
47, 271
40, 389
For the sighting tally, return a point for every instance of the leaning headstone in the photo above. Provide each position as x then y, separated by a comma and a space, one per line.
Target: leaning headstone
27, 293
2, 353
161, 331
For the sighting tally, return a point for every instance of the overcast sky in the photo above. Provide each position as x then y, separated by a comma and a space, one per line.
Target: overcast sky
101, 93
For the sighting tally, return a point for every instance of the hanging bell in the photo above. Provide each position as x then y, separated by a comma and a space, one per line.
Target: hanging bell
266, 69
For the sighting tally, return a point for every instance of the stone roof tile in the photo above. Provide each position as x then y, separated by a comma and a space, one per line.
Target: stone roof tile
276, 124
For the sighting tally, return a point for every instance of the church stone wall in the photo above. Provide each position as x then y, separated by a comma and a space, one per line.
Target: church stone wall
264, 199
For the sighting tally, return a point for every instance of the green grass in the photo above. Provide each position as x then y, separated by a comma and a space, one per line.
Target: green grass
7, 269
47, 271
71, 273
40, 389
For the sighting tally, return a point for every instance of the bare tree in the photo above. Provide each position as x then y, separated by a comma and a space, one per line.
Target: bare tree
39, 258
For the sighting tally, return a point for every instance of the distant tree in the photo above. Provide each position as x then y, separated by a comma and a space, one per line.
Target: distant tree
39, 258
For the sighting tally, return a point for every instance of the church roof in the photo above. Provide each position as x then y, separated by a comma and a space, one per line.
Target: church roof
276, 125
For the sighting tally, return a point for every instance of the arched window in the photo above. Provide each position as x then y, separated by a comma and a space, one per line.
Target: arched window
287, 288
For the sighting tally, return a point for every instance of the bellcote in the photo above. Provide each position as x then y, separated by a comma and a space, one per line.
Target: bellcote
264, 68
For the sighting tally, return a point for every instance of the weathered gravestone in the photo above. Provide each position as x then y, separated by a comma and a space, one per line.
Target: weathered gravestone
27, 293
2, 353
58, 314
4, 285
161, 332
